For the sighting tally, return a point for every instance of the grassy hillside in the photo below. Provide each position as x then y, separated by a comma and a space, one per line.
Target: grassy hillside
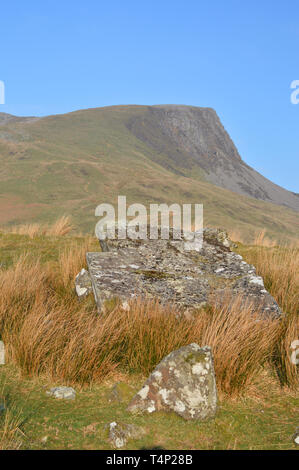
71, 163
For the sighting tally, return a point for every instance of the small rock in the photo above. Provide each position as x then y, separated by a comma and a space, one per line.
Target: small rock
83, 284
44, 439
296, 437
66, 393
183, 382
119, 433
2, 353
120, 393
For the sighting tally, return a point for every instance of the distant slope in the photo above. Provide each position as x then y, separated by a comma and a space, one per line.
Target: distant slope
70, 163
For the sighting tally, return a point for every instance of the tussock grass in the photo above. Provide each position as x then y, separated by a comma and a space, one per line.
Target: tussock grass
10, 428
32, 230
279, 268
70, 342
242, 342
11, 421
261, 239
48, 331
59, 228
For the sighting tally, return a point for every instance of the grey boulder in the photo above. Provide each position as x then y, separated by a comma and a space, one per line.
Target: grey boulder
296, 437
184, 382
66, 393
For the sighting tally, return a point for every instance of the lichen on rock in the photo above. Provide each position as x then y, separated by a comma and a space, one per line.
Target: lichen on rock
183, 382
83, 284
163, 269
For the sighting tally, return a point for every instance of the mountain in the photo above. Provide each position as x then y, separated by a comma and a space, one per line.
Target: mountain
166, 153
194, 138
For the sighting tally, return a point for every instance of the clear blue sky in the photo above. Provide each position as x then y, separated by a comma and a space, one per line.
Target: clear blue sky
238, 57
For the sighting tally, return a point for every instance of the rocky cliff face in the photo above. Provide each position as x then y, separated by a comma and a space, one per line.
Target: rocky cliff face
195, 140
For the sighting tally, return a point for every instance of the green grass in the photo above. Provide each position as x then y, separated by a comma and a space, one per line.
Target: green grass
48, 423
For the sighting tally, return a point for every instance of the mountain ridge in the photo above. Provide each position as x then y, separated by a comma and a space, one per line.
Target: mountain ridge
204, 149
70, 163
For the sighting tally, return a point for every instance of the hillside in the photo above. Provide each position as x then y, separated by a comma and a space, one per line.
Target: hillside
71, 163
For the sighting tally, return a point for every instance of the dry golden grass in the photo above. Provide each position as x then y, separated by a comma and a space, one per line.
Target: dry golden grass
279, 268
61, 227
71, 261
241, 341
32, 230
289, 333
260, 238
10, 428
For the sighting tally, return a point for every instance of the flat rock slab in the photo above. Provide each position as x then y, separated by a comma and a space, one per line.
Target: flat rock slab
163, 269
184, 382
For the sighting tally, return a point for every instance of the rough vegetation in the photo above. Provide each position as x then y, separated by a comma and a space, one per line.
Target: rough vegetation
52, 338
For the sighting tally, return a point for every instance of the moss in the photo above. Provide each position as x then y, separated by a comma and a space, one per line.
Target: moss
217, 282
152, 274
197, 258
195, 357
121, 393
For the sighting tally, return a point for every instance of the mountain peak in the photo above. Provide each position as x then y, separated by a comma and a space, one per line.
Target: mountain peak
70, 163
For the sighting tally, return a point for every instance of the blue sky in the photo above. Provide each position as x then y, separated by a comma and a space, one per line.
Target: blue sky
237, 57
